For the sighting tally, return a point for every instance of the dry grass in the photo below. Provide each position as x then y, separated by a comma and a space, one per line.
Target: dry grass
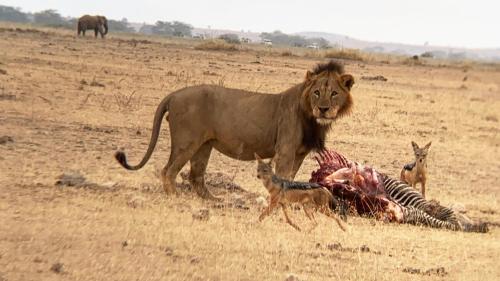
216, 45
348, 54
126, 229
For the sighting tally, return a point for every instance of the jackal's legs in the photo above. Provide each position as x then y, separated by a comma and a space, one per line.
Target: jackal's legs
284, 207
272, 205
310, 215
326, 210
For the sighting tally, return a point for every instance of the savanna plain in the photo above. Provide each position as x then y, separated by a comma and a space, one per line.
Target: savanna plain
67, 104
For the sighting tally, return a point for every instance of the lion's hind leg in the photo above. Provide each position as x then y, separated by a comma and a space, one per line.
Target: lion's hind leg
179, 156
199, 164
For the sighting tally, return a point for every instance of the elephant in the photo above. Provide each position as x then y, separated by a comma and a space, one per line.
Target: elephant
97, 23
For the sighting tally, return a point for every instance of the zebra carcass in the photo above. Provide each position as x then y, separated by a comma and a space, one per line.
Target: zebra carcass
371, 193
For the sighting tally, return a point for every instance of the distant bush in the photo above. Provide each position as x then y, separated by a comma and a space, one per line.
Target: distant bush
216, 45
412, 61
287, 54
12, 14
175, 28
120, 26
230, 38
50, 18
280, 38
349, 54
427, 55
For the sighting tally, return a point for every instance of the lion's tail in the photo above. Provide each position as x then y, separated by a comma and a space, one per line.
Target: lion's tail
160, 112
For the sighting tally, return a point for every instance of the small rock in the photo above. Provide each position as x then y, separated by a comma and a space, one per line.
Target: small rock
261, 201
109, 184
195, 260
37, 260
491, 118
57, 267
440, 271
136, 202
334, 246
169, 251
374, 78
3, 71
292, 277
96, 84
364, 249
6, 139
202, 215
7, 97
124, 243
240, 203
411, 270
71, 179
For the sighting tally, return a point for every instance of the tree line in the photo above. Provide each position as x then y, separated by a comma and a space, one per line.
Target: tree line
52, 18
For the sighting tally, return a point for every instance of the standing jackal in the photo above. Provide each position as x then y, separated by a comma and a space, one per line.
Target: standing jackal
416, 172
313, 197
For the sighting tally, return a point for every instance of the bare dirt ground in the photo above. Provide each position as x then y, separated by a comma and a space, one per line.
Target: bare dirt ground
66, 105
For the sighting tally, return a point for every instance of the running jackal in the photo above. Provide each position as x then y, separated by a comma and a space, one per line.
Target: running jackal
311, 196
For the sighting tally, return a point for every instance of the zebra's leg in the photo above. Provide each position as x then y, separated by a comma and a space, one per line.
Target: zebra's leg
418, 217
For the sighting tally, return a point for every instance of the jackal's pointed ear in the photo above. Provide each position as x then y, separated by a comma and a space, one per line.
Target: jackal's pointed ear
428, 145
414, 145
272, 162
257, 157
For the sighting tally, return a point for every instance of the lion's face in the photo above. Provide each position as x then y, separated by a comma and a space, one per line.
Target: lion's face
328, 95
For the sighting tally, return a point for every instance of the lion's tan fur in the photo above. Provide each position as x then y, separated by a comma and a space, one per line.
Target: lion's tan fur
238, 123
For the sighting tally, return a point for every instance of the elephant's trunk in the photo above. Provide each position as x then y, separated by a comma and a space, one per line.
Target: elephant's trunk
105, 28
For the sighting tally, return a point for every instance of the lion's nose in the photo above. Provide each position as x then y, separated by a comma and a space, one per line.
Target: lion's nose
323, 109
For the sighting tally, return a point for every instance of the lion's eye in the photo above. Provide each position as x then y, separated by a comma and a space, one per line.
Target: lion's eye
334, 93
316, 93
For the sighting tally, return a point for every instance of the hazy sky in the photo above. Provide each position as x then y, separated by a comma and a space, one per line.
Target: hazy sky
456, 23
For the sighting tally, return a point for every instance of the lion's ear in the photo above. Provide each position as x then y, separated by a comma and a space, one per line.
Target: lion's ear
347, 81
309, 76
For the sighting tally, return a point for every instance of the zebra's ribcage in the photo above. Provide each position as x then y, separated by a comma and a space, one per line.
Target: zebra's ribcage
417, 208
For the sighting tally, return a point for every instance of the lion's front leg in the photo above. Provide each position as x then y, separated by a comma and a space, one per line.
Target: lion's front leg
297, 162
284, 165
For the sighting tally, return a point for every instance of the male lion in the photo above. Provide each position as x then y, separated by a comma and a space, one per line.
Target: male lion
238, 123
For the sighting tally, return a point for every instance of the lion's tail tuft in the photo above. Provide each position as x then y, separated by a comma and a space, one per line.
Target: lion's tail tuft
122, 159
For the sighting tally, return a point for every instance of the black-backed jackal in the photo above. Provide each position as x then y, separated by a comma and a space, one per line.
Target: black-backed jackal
311, 196
416, 172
